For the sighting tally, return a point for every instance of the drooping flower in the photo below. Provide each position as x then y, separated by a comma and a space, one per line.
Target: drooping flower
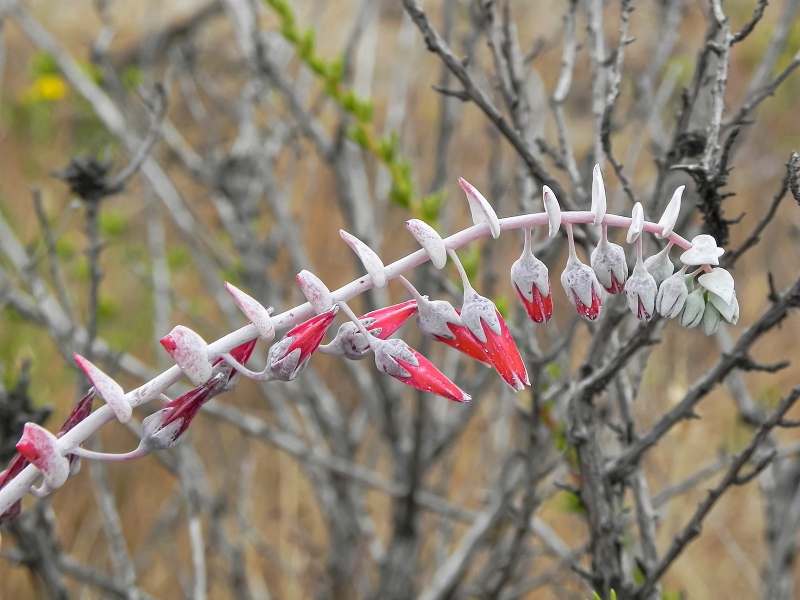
641, 290
481, 317
405, 364
289, 357
442, 321
609, 265
381, 323
582, 288
672, 294
711, 319
660, 266
530, 278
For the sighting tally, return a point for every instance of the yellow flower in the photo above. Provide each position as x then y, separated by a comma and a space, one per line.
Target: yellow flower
49, 87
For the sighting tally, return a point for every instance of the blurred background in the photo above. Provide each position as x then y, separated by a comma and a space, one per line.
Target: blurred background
340, 484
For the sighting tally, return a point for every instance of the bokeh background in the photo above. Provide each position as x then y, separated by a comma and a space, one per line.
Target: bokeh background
259, 504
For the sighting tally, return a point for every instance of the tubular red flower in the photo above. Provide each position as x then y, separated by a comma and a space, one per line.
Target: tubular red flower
14, 468
385, 321
405, 364
289, 356
540, 308
465, 342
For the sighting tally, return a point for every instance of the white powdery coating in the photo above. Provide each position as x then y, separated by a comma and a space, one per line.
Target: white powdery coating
670, 216
660, 266
387, 352
578, 280
672, 296
553, 210
528, 271
371, 261
434, 315
284, 366
316, 292
479, 207
637, 223
598, 196
711, 319
728, 310
693, 309
608, 259
350, 342
720, 282
156, 437
46, 455
190, 353
254, 311
108, 389
430, 240
477, 309
641, 287
704, 251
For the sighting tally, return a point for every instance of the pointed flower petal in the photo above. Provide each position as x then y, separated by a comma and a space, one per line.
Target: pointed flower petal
289, 356
637, 223
553, 210
598, 195
672, 294
108, 389
190, 353
430, 240
726, 309
704, 251
254, 311
530, 278
440, 320
405, 364
40, 448
349, 341
660, 266
711, 319
482, 211
670, 216
316, 292
693, 309
720, 282
371, 261
504, 355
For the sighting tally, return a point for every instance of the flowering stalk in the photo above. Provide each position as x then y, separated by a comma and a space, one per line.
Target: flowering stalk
478, 315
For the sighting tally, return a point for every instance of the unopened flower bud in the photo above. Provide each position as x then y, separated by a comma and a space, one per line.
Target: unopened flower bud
442, 321
582, 287
530, 279
672, 294
711, 319
381, 323
728, 310
290, 356
641, 290
693, 309
660, 266
609, 264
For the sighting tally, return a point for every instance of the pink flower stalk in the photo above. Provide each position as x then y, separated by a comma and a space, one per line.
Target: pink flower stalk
289, 357
405, 364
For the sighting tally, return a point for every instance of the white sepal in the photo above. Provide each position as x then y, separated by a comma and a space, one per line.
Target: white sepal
482, 211
316, 292
371, 261
670, 216
704, 251
728, 310
553, 210
190, 353
254, 311
711, 319
720, 282
40, 448
108, 389
637, 223
430, 240
598, 196
693, 309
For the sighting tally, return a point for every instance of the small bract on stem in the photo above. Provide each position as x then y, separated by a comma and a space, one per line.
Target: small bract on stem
706, 296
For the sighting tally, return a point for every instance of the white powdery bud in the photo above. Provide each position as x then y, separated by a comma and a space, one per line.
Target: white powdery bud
660, 266
434, 315
711, 319
477, 309
641, 290
672, 294
528, 271
155, 436
693, 309
728, 310
387, 354
609, 264
582, 288
349, 341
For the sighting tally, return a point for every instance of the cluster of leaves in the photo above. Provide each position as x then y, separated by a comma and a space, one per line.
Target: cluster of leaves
384, 148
